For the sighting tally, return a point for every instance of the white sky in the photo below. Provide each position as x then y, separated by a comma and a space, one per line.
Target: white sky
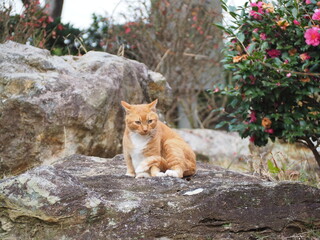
79, 12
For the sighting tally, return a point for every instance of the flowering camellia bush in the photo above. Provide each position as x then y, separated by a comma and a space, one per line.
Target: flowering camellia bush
274, 56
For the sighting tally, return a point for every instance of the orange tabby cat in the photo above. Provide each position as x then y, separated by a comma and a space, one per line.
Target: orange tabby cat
151, 148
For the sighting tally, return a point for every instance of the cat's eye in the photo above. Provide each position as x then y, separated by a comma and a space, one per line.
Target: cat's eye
137, 122
150, 121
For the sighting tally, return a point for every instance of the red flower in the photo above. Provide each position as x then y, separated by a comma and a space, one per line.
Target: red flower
128, 30
296, 22
42, 19
273, 53
50, 19
253, 79
304, 56
270, 131
253, 117
60, 27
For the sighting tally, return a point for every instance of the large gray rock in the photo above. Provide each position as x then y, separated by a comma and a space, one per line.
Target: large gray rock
84, 198
52, 106
217, 146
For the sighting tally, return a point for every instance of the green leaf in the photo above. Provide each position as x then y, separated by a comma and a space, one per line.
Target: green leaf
240, 37
314, 67
252, 46
220, 26
232, 8
272, 168
221, 124
224, 5
294, 12
218, 109
234, 102
264, 46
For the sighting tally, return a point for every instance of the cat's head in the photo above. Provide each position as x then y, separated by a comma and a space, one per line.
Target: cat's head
142, 118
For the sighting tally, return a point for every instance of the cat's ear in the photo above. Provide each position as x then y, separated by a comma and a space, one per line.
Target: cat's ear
152, 105
126, 106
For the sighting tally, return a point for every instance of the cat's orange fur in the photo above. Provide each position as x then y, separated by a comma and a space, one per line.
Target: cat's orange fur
151, 148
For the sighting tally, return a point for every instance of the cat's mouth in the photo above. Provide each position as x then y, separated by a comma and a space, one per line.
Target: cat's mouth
144, 133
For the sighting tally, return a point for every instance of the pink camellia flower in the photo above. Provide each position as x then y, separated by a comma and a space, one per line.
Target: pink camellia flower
263, 36
288, 75
312, 36
270, 131
127, 30
304, 56
256, 14
50, 19
273, 53
253, 117
308, 1
60, 27
296, 22
316, 15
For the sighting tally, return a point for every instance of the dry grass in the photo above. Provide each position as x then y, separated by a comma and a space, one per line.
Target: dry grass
278, 162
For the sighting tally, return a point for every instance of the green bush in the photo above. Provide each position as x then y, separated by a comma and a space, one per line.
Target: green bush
273, 54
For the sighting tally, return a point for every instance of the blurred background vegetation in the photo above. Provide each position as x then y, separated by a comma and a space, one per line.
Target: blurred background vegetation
175, 38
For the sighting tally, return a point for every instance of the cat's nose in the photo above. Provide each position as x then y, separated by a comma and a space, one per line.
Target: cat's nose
145, 130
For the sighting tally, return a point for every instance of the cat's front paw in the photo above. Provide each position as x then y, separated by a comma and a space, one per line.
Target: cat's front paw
142, 175
160, 174
130, 174
172, 173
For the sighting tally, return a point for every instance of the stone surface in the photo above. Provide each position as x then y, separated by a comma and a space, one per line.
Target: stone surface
81, 197
52, 106
216, 145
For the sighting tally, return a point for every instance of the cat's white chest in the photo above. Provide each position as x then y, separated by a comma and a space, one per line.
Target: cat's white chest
139, 143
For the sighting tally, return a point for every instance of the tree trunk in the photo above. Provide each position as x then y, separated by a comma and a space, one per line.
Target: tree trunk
316, 155
53, 9
314, 150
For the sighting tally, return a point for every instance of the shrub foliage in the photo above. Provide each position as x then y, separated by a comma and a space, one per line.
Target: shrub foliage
273, 54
